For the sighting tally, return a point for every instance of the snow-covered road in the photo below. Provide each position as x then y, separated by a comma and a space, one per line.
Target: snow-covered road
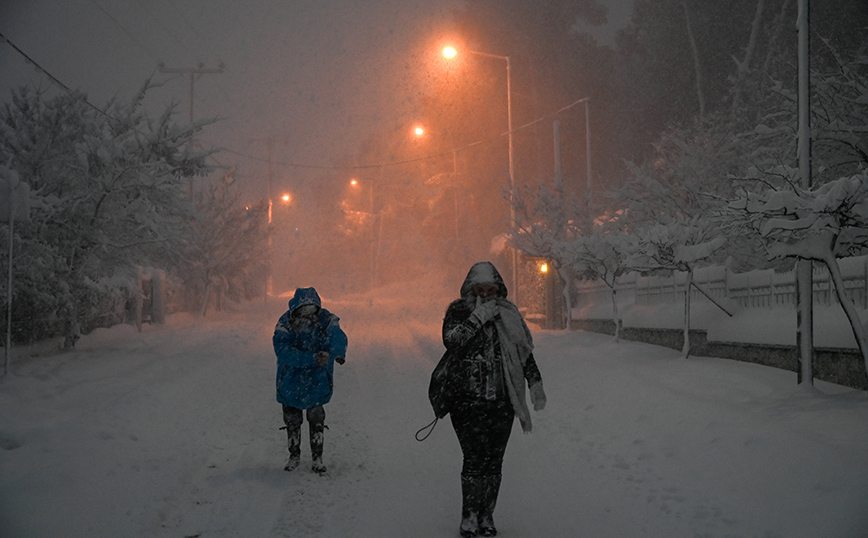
173, 432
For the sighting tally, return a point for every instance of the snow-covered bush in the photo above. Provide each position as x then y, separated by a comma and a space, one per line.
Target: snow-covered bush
109, 193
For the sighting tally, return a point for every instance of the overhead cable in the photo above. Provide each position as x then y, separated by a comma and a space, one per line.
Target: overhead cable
405, 161
124, 30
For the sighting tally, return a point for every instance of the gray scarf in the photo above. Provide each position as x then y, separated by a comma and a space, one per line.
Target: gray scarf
516, 345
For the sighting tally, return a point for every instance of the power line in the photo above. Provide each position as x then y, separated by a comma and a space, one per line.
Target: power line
45, 72
131, 36
193, 29
33, 62
164, 27
405, 161
191, 71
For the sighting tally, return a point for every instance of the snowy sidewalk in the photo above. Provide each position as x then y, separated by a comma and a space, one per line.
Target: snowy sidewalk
173, 432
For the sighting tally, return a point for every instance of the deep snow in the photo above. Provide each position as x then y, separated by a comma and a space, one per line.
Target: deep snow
173, 432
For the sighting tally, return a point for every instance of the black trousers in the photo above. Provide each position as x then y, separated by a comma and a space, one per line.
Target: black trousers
292, 417
483, 428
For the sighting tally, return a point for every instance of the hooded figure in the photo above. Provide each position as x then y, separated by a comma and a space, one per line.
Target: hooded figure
308, 340
493, 361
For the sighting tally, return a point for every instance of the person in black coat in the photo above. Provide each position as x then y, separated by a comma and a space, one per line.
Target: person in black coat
493, 351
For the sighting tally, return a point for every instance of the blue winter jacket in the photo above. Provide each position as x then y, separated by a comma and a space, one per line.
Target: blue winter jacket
301, 382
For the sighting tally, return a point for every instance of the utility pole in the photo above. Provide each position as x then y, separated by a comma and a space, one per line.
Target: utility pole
269, 143
804, 267
588, 153
191, 72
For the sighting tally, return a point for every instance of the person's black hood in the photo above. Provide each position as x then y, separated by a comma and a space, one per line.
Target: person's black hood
483, 273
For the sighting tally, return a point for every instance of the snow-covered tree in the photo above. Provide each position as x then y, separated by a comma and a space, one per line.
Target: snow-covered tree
821, 224
599, 255
110, 188
677, 246
228, 252
671, 205
545, 217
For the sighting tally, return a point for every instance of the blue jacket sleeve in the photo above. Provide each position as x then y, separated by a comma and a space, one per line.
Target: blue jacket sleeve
337, 339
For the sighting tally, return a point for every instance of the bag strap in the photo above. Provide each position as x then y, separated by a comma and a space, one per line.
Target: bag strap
431, 425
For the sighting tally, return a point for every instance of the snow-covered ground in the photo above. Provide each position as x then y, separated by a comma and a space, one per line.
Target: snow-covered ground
173, 432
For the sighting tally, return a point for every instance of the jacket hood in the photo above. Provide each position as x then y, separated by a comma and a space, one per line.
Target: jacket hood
304, 296
483, 273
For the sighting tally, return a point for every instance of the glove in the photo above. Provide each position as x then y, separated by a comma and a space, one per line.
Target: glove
484, 312
538, 397
340, 360
322, 358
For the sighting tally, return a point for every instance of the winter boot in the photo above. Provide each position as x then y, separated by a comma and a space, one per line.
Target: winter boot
293, 436
316, 442
490, 490
292, 463
471, 488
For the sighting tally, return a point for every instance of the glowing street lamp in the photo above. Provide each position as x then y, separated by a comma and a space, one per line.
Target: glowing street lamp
355, 183
451, 52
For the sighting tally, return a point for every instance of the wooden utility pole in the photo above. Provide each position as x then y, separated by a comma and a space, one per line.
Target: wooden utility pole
269, 143
191, 72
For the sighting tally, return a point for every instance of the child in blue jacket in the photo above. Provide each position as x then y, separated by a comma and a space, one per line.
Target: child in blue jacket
308, 340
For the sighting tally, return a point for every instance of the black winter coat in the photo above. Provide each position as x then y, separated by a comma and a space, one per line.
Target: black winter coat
477, 350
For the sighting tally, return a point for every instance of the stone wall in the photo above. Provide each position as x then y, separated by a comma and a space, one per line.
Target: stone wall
835, 365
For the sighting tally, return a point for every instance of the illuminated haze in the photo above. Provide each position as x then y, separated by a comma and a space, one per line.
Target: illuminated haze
319, 80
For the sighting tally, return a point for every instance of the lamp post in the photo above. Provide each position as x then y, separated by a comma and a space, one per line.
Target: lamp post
420, 131
286, 199
451, 52
588, 149
355, 184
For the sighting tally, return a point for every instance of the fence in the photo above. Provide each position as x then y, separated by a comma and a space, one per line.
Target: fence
753, 289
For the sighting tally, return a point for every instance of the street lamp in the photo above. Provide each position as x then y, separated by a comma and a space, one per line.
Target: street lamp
286, 198
355, 183
420, 132
451, 52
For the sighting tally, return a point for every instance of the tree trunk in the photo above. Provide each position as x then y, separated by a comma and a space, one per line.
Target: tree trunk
745, 64
567, 277
696, 63
615, 316
685, 350
849, 308
206, 298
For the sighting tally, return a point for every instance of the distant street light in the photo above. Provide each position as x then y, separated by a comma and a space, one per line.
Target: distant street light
286, 198
420, 132
355, 183
451, 52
